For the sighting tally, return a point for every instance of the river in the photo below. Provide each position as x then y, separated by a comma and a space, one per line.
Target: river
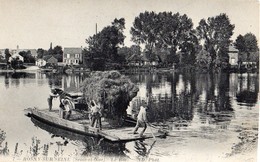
210, 117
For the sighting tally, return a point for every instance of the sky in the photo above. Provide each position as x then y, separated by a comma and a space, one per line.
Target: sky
68, 23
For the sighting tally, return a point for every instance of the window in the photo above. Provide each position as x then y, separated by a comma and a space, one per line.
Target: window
68, 55
233, 61
76, 55
76, 61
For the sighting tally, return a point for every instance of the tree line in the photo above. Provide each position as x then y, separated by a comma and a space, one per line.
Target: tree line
170, 36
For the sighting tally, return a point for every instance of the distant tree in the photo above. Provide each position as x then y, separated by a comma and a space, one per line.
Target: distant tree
27, 56
247, 46
16, 63
215, 33
164, 30
240, 43
135, 49
40, 53
126, 52
247, 43
58, 53
7, 55
102, 47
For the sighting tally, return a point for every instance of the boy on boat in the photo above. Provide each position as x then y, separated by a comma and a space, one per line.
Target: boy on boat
95, 114
141, 119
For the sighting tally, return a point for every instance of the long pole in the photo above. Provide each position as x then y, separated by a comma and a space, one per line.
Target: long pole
152, 133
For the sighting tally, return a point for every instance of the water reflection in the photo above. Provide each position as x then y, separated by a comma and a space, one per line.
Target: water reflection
176, 97
177, 101
247, 89
90, 145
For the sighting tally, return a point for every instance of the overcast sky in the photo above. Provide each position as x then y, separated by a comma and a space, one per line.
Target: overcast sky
37, 23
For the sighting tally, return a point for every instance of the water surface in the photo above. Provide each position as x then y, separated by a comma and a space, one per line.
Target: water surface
204, 113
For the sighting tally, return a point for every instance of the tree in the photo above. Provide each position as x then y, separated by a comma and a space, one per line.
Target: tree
28, 58
126, 52
58, 53
203, 59
247, 46
7, 55
246, 43
145, 29
240, 43
16, 63
103, 45
164, 30
40, 53
215, 33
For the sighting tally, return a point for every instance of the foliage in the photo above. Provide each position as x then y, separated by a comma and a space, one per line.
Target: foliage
58, 53
246, 43
41, 52
113, 90
215, 33
16, 63
27, 56
104, 45
125, 52
7, 55
164, 30
203, 59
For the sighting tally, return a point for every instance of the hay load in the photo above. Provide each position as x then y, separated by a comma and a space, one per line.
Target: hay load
113, 90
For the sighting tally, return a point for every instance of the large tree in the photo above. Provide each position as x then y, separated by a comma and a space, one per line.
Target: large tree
103, 45
215, 33
164, 30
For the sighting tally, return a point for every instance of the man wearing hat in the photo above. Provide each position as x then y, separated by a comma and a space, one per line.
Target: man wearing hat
141, 119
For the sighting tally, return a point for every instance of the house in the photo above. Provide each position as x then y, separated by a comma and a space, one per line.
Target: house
135, 60
40, 62
150, 59
51, 60
233, 55
16, 55
72, 56
249, 58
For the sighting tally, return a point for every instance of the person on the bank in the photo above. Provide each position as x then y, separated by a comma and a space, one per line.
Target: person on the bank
53, 94
95, 117
141, 119
68, 105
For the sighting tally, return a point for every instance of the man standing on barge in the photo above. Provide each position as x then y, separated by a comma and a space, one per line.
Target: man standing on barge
141, 119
